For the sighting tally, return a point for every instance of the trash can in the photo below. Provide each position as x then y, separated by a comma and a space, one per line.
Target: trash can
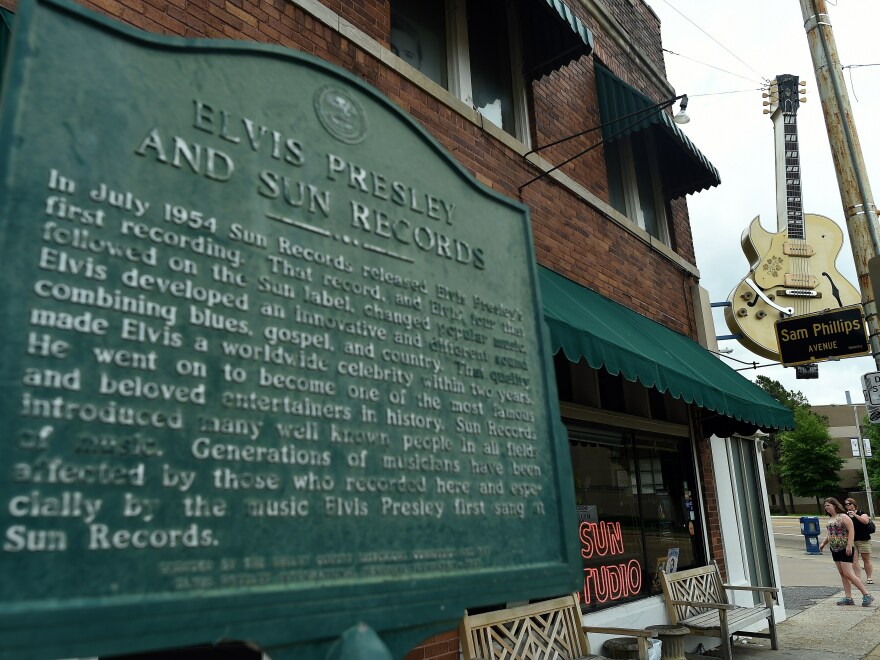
810, 530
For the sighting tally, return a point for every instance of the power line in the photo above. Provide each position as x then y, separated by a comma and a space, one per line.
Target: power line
751, 365
716, 41
735, 91
717, 68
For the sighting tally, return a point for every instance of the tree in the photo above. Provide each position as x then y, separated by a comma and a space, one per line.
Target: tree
810, 461
791, 400
788, 398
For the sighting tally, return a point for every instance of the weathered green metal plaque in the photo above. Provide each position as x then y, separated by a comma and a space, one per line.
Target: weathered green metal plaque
272, 362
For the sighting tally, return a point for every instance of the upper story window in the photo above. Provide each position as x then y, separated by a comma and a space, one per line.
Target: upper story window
634, 185
418, 36
470, 47
648, 159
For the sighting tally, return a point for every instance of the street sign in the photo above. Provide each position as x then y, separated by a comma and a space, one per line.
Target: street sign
828, 335
871, 387
854, 442
873, 410
806, 371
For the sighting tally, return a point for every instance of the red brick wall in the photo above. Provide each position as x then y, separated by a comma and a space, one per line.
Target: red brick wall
440, 647
710, 502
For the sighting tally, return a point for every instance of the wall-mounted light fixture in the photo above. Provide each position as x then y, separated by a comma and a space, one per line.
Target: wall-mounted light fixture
681, 117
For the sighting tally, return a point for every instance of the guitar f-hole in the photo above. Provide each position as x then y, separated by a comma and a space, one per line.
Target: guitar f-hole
834, 290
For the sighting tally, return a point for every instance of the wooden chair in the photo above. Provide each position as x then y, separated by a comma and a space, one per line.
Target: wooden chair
697, 599
549, 630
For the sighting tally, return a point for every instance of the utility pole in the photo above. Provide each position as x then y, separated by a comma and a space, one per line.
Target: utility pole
861, 446
852, 180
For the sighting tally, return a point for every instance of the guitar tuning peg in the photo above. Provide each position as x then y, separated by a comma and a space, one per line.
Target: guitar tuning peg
803, 99
765, 103
765, 95
766, 111
803, 83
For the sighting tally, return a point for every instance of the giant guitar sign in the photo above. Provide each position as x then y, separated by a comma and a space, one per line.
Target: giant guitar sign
791, 272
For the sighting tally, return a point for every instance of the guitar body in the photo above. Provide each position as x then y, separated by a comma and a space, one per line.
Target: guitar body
792, 273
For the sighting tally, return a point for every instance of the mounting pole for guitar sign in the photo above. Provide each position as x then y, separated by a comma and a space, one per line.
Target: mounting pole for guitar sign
855, 191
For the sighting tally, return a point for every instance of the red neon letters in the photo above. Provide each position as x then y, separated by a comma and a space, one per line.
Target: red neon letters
611, 581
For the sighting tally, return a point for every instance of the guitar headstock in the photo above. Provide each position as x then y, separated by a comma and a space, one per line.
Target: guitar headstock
785, 94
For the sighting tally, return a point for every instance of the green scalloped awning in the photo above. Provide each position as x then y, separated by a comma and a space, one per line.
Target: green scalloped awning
552, 37
586, 325
685, 169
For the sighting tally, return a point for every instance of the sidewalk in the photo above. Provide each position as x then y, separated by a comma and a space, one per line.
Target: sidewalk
816, 628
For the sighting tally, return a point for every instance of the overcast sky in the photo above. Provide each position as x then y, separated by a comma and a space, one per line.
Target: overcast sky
760, 39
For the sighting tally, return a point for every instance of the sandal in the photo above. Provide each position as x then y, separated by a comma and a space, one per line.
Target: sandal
848, 601
870, 580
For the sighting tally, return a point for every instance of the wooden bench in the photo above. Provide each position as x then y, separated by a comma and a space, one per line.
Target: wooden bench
697, 600
549, 630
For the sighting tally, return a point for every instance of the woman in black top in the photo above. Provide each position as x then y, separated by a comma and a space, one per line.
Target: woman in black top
862, 541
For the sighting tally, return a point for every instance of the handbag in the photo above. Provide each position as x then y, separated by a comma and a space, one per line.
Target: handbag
871, 526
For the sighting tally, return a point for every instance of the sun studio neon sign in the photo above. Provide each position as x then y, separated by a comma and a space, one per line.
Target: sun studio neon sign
608, 582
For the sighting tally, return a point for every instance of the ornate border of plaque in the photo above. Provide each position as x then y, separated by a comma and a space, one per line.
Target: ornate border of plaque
273, 362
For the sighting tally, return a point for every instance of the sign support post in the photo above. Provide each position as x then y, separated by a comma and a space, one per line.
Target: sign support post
862, 455
846, 151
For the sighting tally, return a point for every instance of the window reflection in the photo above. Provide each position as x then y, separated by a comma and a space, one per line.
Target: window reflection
490, 63
635, 511
418, 36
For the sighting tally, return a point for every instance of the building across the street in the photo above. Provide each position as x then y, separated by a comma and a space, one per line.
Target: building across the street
845, 426
665, 469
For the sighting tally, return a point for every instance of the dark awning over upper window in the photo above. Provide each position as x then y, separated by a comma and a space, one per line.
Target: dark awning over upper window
552, 37
586, 325
683, 168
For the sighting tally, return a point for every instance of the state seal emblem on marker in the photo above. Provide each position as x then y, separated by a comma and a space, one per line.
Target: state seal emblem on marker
341, 114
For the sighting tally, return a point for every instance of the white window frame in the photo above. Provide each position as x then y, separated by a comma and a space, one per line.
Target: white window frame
458, 64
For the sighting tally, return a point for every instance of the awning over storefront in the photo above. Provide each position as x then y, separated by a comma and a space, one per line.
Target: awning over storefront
684, 169
586, 325
552, 37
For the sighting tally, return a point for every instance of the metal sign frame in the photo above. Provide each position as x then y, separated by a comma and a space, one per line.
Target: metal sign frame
823, 336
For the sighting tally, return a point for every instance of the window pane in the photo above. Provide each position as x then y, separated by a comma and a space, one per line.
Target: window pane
645, 184
490, 62
635, 511
669, 505
616, 196
418, 36
608, 517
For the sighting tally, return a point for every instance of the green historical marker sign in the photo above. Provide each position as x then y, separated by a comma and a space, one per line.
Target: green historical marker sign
273, 363
833, 334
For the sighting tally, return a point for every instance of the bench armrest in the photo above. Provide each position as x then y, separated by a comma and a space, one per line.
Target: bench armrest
699, 603
628, 632
772, 590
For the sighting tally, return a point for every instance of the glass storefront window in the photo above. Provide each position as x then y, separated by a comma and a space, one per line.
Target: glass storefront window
636, 511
